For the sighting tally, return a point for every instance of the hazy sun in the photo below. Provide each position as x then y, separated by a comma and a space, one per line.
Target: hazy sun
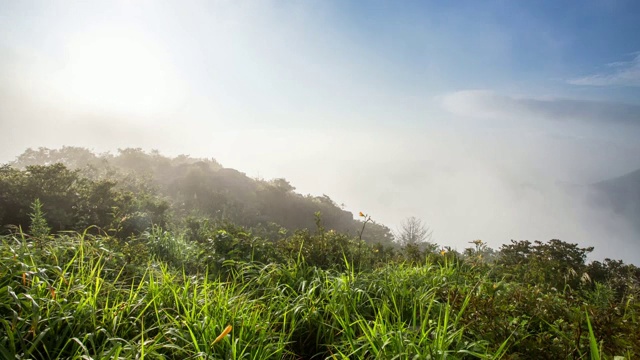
117, 71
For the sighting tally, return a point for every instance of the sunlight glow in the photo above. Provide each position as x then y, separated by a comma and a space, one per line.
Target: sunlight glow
116, 71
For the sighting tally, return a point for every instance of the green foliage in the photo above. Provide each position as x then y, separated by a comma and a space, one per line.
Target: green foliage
38, 226
99, 296
593, 343
72, 202
231, 243
167, 253
623, 279
175, 250
86, 188
556, 263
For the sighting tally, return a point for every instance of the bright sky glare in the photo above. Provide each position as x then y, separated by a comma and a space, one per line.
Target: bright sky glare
467, 114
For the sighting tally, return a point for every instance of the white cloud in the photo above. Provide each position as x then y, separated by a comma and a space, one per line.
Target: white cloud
486, 104
277, 95
620, 73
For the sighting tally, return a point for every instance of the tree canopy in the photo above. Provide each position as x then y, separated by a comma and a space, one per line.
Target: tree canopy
80, 188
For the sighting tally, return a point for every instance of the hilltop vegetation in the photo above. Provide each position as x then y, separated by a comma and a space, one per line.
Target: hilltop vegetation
79, 188
138, 255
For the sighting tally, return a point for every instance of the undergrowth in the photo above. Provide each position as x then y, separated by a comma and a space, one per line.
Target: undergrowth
161, 297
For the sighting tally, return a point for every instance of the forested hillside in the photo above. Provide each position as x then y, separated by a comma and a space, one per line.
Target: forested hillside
137, 255
133, 189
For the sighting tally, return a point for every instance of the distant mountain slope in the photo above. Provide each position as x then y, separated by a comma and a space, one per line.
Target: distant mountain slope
622, 195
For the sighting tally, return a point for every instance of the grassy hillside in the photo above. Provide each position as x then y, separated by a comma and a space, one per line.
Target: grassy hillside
101, 262
161, 296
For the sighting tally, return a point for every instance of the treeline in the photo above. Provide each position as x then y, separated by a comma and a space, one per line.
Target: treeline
133, 189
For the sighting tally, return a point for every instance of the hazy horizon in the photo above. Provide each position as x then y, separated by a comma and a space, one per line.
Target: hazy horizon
473, 117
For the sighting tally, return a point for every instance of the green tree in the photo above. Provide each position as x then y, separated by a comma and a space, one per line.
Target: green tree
555, 263
38, 227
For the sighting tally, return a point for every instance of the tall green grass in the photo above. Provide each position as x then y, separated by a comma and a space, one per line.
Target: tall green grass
78, 296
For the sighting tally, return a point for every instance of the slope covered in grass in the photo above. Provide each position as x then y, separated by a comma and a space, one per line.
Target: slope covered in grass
85, 296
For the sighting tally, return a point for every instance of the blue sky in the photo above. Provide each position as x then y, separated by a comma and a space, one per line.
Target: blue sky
381, 48
433, 109
496, 43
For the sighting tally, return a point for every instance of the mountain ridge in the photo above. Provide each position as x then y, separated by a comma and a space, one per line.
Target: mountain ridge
622, 195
